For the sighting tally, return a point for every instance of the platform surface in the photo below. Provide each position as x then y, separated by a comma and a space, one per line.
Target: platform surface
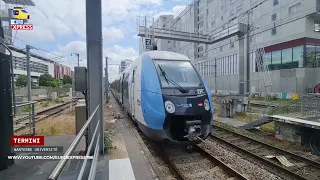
311, 123
229, 121
127, 161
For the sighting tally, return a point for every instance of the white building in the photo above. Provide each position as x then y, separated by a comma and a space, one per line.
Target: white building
38, 65
124, 64
285, 29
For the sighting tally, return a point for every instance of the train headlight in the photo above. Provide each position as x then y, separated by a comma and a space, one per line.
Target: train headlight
206, 105
169, 107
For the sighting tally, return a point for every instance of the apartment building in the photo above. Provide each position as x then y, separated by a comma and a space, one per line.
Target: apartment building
124, 64
285, 29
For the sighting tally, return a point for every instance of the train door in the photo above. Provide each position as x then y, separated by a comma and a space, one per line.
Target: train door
122, 92
132, 102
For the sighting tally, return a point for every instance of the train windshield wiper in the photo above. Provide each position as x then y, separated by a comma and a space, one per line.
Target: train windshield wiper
163, 73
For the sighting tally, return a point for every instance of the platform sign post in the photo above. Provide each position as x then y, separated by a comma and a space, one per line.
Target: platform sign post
6, 118
148, 44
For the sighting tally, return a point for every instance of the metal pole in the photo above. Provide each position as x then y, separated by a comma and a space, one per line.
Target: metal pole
107, 80
78, 60
33, 120
215, 75
28, 73
95, 65
12, 79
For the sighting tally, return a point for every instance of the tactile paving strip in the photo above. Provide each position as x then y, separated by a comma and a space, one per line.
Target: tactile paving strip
120, 169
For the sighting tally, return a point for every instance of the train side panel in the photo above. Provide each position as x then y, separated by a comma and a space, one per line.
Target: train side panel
138, 115
151, 96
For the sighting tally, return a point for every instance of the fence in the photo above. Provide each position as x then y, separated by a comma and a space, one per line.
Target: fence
96, 137
30, 115
307, 105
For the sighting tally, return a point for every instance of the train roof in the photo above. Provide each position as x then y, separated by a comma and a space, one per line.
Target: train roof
166, 55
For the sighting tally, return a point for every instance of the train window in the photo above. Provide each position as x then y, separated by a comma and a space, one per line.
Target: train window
181, 72
133, 76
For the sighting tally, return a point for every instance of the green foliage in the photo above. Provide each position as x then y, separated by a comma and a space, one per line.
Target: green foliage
55, 83
67, 80
108, 140
45, 80
53, 130
58, 100
46, 104
67, 86
21, 81
26, 108
272, 98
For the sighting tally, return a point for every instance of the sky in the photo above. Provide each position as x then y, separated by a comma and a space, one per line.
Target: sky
59, 28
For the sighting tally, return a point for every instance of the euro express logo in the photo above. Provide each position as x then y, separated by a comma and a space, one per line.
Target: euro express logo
21, 26
20, 13
20, 19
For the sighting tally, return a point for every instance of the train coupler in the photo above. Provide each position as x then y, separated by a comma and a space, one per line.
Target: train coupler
194, 130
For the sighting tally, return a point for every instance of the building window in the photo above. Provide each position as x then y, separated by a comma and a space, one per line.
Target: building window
287, 59
297, 56
221, 18
220, 48
274, 17
310, 56
213, 23
275, 2
295, 8
273, 31
231, 12
276, 60
266, 60
232, 45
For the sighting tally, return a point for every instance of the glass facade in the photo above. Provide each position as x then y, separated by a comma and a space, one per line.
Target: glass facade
299, 56
296, 57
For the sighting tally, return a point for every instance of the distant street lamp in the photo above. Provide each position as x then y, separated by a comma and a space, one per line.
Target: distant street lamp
76, 54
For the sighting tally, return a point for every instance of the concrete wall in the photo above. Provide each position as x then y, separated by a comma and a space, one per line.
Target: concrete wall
40, 93
283, 81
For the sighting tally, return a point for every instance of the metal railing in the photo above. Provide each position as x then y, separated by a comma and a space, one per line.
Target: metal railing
31, 115
310, 105
62, 163
307, 105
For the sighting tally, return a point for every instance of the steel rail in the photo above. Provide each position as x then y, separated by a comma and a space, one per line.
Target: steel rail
263, 159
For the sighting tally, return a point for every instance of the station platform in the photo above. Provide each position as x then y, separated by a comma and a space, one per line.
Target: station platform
230, 121
130, 159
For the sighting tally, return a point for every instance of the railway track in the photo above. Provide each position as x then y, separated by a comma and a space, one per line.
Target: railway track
301, 167
56, 110
191, 164
179, 163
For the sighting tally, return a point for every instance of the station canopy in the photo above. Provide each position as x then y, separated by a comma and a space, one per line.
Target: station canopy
20, 2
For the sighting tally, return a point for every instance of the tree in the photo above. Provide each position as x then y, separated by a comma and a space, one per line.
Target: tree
45, 79
67, 80
55, 83
21, 81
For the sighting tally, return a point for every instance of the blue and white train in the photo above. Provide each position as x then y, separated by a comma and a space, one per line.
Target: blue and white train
166, 96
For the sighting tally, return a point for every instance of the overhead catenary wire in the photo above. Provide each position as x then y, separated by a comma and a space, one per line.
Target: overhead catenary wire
261, 31
242, 14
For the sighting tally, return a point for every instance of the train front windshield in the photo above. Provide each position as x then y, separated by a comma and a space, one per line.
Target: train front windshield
172, 73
